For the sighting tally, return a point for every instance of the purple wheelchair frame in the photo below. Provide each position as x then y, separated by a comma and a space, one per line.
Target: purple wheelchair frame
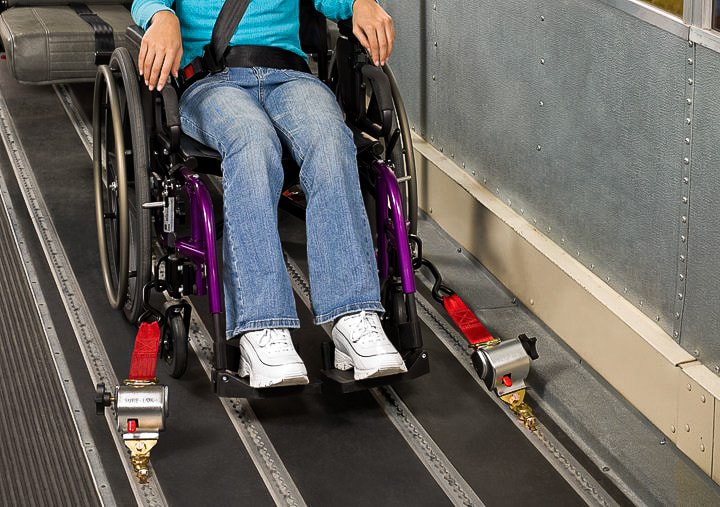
200, 246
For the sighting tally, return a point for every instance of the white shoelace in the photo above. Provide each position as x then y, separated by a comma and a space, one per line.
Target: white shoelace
275, 338
362, 327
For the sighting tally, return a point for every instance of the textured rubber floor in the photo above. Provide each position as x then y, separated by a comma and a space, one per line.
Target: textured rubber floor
41, 457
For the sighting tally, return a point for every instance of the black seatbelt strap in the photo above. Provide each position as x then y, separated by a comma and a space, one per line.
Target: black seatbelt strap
213, 56
104, 41
225, 25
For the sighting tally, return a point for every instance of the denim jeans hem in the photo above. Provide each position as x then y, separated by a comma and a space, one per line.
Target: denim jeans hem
256, 325
369, 306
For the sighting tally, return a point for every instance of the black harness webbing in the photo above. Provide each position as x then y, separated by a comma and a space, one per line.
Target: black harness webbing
104, 41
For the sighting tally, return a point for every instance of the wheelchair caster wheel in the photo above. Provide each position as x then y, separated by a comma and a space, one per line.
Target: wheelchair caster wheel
174, 345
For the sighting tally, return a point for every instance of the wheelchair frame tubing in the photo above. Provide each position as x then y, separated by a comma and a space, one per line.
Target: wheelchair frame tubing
388, 190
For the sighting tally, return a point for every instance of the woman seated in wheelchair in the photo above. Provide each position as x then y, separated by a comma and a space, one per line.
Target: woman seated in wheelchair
247, 112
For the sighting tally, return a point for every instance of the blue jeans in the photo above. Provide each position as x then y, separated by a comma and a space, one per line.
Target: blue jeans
247, 114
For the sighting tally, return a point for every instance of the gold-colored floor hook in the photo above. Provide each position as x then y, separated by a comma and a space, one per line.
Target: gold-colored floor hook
516, 400
140, 457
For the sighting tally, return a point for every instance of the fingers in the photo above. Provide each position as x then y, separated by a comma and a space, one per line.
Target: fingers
374, 29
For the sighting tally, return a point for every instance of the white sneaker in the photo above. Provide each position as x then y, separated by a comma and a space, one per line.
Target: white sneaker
269, 358
360, 343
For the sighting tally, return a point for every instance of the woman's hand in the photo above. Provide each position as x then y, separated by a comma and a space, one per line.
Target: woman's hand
374, 29
160, 50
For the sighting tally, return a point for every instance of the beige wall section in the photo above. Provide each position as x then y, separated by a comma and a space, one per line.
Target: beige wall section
622, 344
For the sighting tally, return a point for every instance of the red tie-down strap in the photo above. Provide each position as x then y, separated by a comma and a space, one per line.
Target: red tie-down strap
472, 328
144, 357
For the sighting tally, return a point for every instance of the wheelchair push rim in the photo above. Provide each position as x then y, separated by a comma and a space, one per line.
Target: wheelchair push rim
110, 185
121, 197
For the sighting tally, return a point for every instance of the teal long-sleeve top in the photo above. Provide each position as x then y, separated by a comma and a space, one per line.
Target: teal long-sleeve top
273, 23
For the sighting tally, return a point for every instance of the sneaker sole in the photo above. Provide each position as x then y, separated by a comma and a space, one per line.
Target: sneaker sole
344, 362
260, 381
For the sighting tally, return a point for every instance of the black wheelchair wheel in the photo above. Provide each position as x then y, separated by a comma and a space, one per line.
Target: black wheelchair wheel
137, 160
174, 345
110, 184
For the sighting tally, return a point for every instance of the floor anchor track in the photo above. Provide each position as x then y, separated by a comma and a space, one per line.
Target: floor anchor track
555, 453
427, 451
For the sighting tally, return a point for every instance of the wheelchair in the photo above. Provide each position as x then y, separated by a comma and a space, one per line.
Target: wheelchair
152, 195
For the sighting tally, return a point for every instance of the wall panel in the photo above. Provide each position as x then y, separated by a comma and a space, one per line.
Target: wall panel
571, 111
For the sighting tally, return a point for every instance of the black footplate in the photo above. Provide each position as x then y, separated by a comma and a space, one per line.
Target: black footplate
229, 385
343, 382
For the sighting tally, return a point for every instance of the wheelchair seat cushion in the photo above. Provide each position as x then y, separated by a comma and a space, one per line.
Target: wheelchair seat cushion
54, 44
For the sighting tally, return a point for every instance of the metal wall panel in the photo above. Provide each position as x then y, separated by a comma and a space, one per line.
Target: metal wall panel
573, 113
701, 322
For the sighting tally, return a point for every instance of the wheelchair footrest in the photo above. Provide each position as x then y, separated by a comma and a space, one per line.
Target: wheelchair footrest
342, 382
229, 385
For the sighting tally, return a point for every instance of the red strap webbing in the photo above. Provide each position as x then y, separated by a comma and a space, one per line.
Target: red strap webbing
145, 353
472, 328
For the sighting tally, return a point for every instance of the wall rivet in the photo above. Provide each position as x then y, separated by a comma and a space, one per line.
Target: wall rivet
676, 334
442, 149
690, 61
538, 147
431, 210
690, 81
549, 229
680, 296
541, 103
683, 239
522, 211
687, 428
682, 277
717, 369
702, 447
434, 77
689, 387
690, 44
657, 318
682, 258
625, 290
641, 302
464, 167
684, 219
696, 353
434, 7
686, 161
473, 173
532, 302
592, 266
672, 429
435, 43
702, 398
686, 180
687, 140
689, 101
677, 315
542, 18
684, 199
542, 61
688, 121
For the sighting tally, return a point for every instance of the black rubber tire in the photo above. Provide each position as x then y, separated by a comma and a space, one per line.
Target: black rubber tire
174, 345
110, 187
136, 140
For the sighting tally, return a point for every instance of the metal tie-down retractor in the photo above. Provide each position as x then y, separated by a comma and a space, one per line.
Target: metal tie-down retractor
140, 409
504, 366
140, 404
